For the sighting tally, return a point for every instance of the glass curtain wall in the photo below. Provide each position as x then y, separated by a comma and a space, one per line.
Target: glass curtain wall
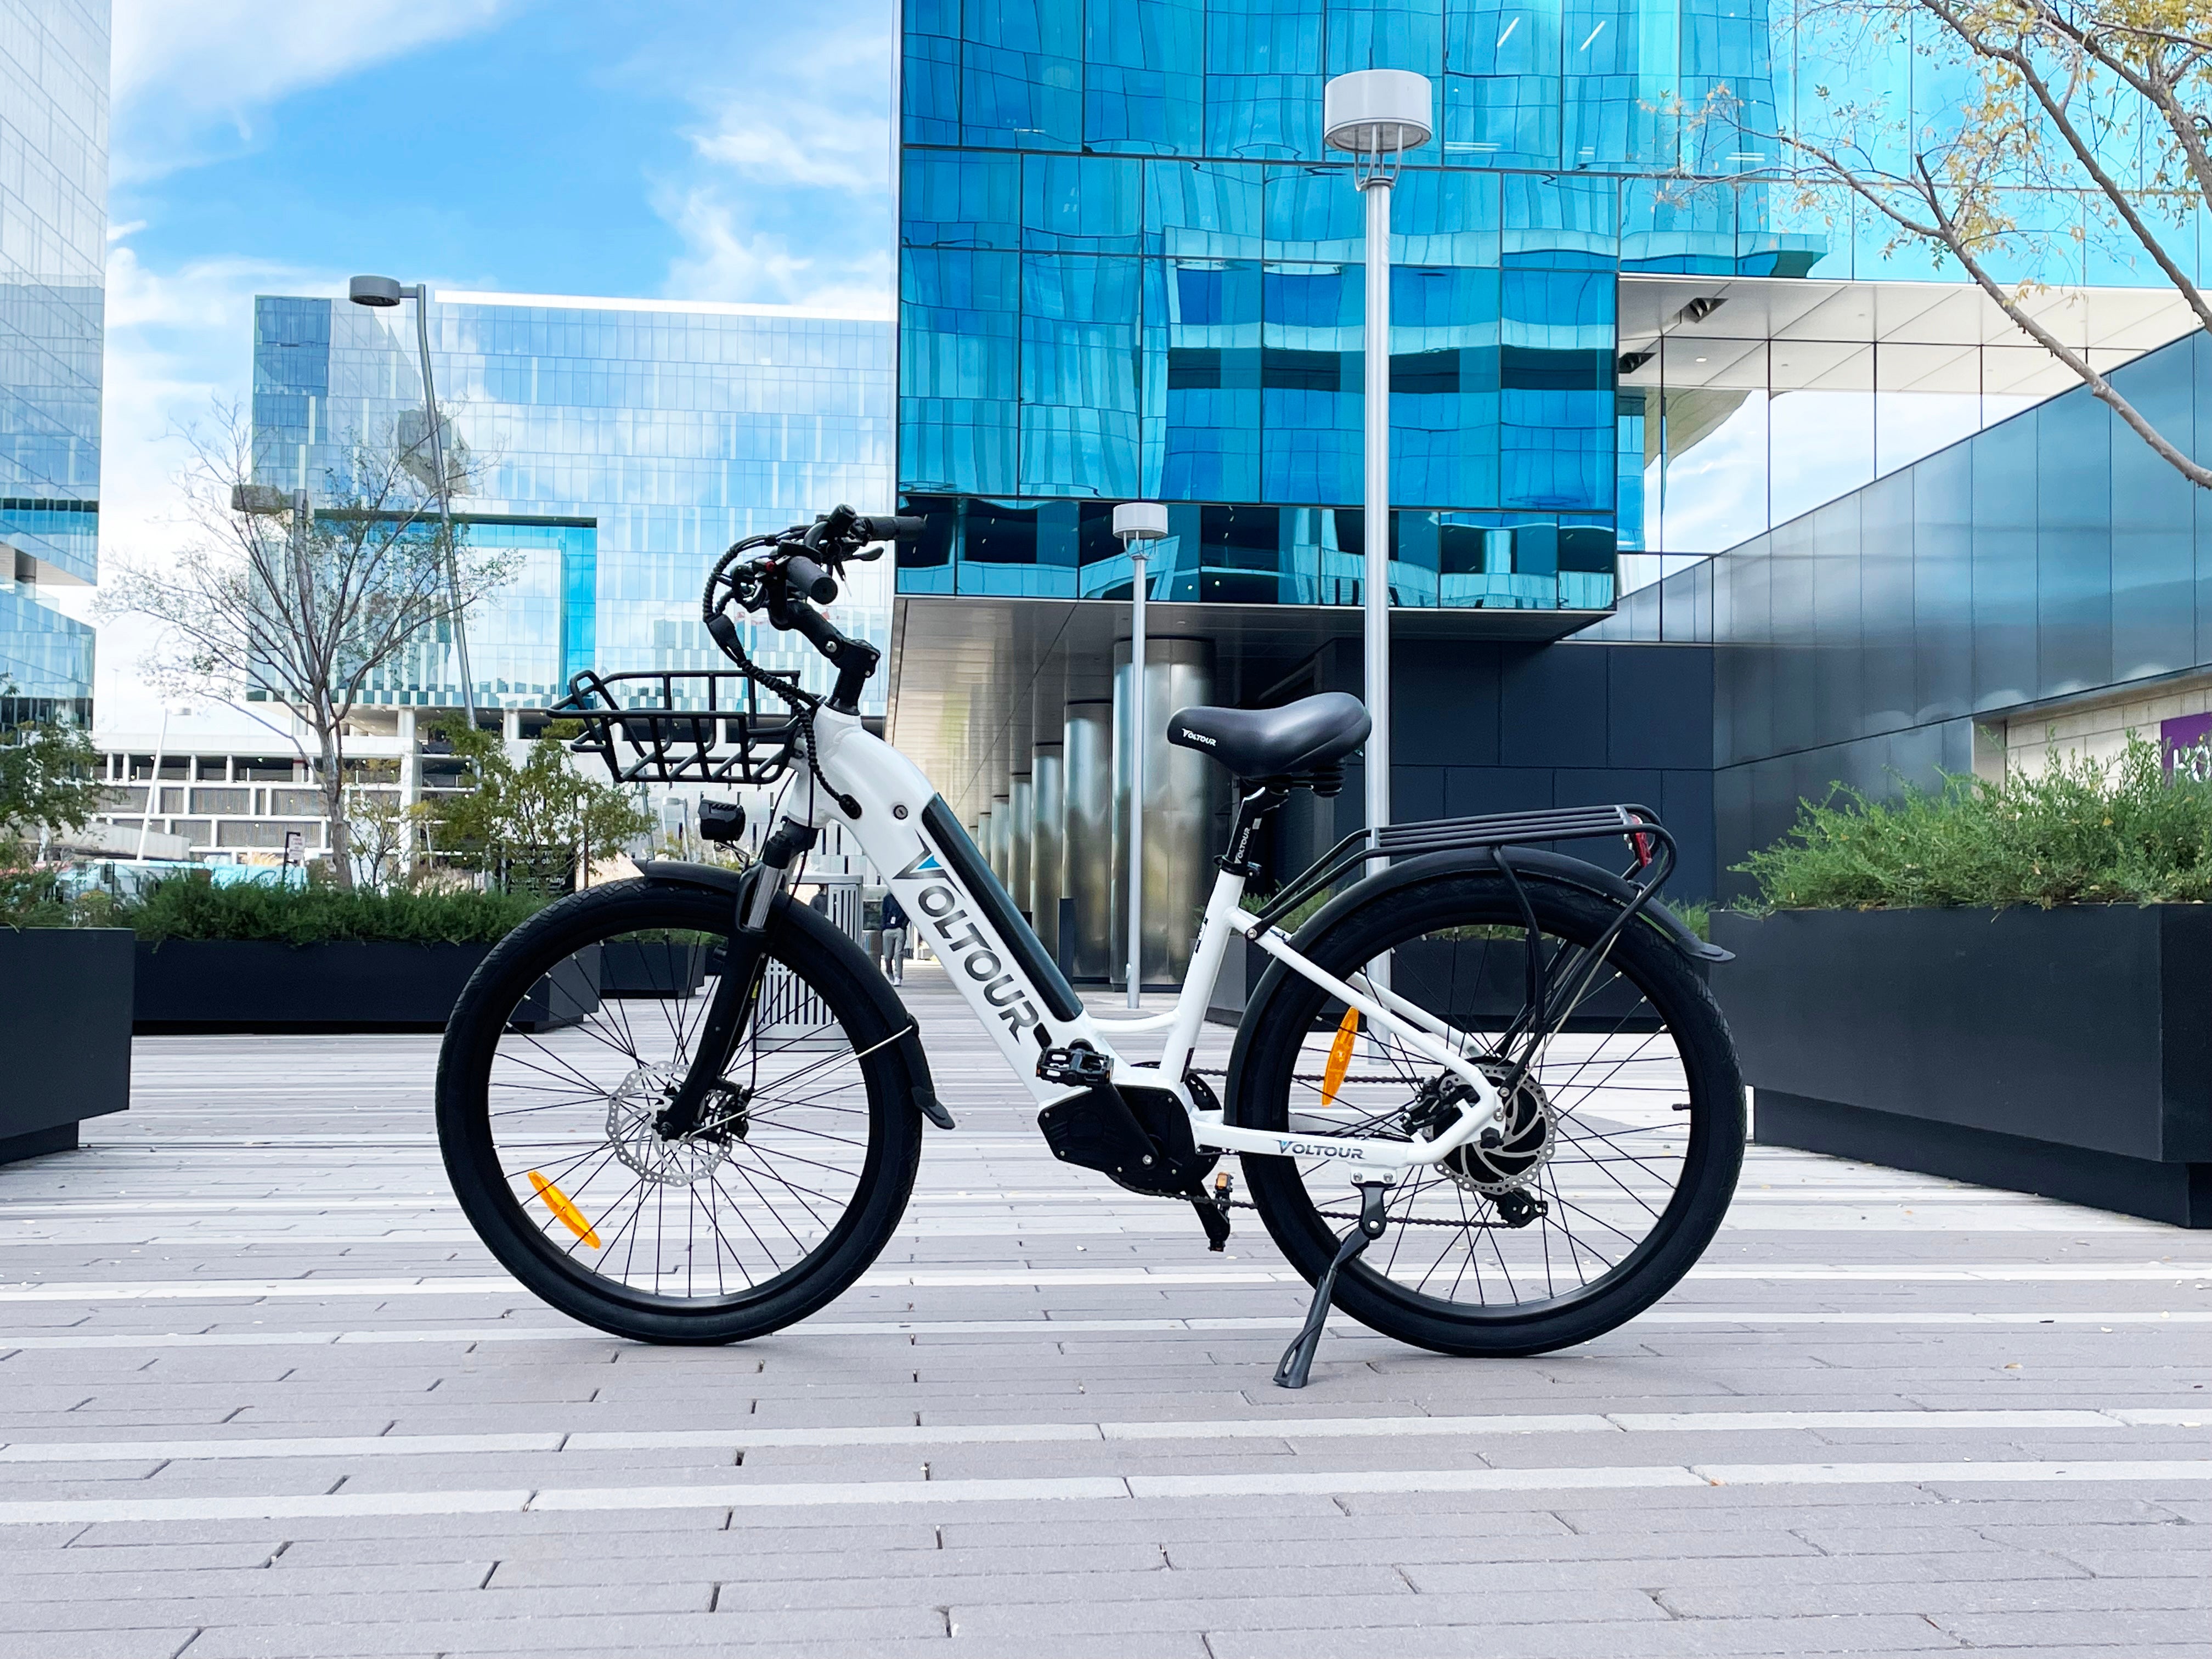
2046, 557
616, 448
53, 237
1731, 437
1127, 270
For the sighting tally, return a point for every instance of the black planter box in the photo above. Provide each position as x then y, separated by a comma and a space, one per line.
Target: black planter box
65, 1034
651, 968
252, 985
2064, 1052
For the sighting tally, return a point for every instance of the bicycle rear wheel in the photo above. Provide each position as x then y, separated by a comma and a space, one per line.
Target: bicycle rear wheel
1624, 1137
564, 1047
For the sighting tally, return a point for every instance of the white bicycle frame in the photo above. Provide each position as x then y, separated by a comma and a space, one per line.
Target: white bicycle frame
987, 966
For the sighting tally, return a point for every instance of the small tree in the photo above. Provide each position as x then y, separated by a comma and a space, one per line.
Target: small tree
48, 777
304, 608
2105, 101
539, 819
376, 827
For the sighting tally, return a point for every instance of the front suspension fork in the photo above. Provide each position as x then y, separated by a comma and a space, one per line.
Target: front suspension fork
737, 989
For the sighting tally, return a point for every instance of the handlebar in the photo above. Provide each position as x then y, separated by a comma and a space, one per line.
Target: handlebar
786, 576
808, 579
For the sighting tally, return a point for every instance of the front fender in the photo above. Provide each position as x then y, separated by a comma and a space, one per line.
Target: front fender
818, 931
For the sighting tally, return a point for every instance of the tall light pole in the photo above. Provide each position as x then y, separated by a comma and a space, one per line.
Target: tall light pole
1139, 524
382, 293
1377, 115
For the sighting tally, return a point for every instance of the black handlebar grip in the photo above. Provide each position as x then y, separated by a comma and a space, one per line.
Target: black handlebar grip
809, 579
905, 528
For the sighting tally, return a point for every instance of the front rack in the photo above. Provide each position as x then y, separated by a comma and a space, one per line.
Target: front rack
699, 726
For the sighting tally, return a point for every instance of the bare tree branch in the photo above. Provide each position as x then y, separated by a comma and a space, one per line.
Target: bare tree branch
268, 603
2062, 83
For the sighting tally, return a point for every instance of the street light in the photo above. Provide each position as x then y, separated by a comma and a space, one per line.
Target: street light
381, 293
1138, 524
1377, 115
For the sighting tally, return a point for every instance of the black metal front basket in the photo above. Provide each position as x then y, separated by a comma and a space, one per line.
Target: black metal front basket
702, 726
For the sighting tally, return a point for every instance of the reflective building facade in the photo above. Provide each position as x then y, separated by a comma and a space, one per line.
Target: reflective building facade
1127, 270
1961, 606
614, 446
53, 246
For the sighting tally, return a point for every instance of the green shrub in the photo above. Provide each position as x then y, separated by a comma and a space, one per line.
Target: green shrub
194, 908
32, 896
2081, 831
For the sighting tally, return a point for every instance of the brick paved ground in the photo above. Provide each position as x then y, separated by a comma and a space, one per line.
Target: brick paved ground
265, 1395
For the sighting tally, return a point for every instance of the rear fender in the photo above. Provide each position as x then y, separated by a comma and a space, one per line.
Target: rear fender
1531, 864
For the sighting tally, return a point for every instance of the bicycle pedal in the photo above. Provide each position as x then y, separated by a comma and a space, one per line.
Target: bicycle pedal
1078, 1065
1213, 1212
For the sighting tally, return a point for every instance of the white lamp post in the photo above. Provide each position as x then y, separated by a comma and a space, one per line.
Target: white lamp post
382, 293
1377, 115
1138, 524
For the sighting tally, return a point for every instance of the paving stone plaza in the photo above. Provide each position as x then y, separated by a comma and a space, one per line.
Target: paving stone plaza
266, 1395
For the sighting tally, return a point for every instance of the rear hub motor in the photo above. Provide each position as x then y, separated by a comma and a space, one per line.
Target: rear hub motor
1502, 1160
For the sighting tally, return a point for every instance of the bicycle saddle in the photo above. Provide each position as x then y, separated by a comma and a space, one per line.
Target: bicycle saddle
1311, 735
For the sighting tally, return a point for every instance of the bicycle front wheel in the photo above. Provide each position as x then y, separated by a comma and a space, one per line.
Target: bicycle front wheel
567, 1044
1625, 1126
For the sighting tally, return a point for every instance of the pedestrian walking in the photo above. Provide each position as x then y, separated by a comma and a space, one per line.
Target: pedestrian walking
894, 926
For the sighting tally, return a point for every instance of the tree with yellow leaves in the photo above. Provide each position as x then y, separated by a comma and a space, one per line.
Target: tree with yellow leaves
2104, 101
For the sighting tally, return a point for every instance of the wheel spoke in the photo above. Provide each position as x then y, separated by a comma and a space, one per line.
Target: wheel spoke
691, 1220
1572, 1189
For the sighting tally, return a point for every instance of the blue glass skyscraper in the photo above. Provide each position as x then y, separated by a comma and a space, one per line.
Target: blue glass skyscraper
54, 238
614, 446
1127, 270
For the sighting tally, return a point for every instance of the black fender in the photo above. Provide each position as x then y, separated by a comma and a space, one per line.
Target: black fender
1531, 864
818, 931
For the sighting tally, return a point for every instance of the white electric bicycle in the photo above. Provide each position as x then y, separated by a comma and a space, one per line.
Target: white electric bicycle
686, 1109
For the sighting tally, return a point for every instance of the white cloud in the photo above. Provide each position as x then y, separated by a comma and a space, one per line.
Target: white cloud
802, 141
189, 80
726, 259
790, 202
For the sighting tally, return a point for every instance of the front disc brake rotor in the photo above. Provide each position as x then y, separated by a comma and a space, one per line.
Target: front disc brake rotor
635, 1106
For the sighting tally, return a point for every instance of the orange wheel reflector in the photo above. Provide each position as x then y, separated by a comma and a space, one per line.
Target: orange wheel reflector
1339, 1056
564, 1209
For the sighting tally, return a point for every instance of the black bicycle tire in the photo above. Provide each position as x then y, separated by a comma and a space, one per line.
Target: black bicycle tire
1686, 1226
881, 1192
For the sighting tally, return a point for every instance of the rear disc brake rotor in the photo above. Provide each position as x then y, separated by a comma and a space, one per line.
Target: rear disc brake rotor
1507, 1156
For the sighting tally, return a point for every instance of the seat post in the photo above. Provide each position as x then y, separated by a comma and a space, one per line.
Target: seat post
1254, 801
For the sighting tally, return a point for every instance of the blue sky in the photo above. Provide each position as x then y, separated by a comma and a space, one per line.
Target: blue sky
720, 150
543, 145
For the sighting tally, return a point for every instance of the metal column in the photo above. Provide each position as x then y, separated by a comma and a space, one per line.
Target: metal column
1047, 871
1021, 831
1180, 790
1088, 852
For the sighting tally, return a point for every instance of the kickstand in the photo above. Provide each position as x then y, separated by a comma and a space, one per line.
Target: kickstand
1297, 1358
